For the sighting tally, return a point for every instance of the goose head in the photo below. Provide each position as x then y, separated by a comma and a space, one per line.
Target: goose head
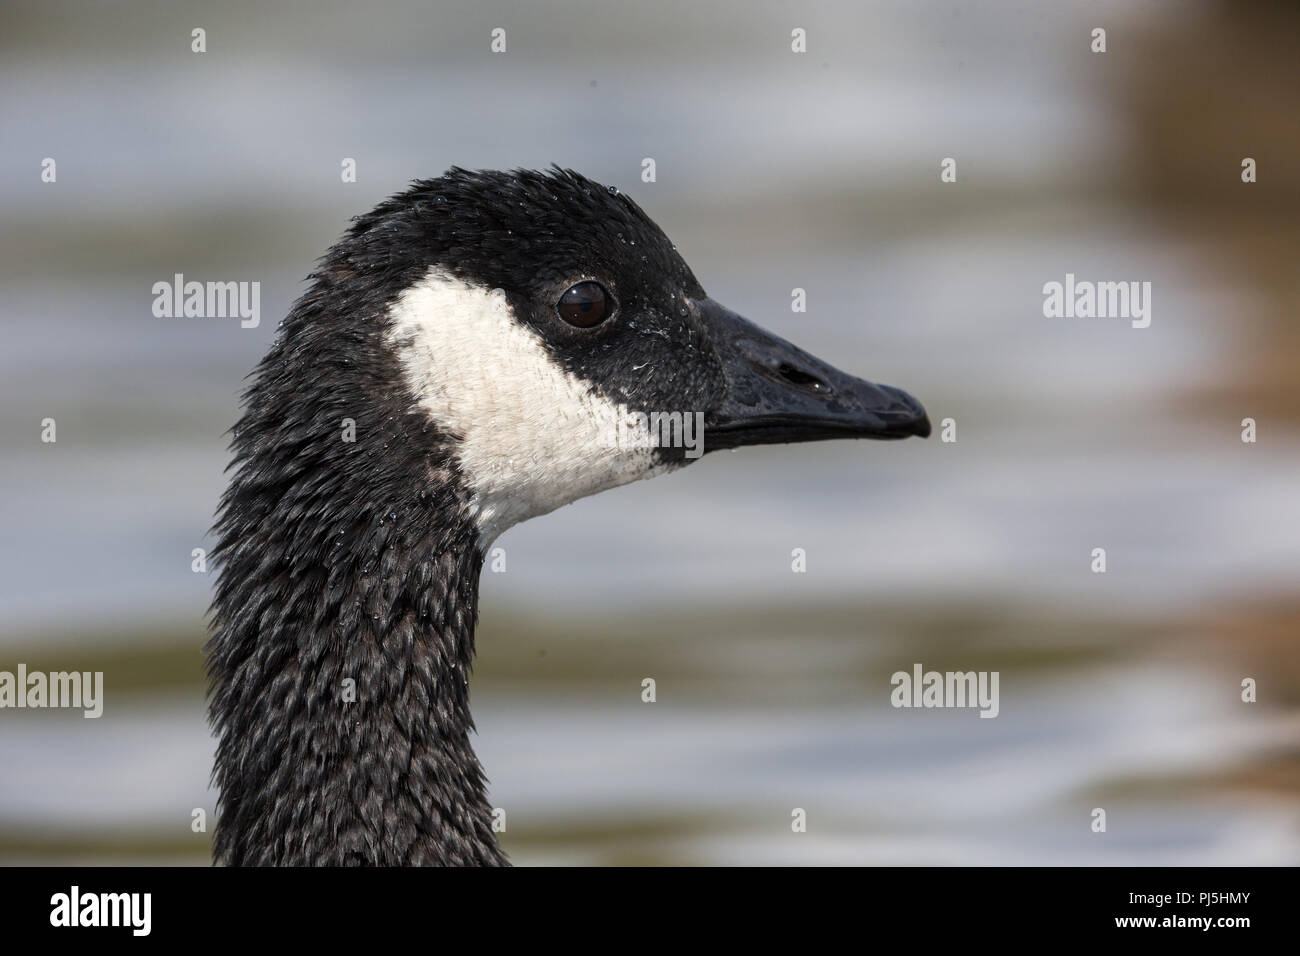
553, 330
495, 345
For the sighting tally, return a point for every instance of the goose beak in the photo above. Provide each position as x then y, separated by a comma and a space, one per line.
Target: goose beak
777, 393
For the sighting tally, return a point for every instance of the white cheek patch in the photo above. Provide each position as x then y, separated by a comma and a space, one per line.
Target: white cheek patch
532, 435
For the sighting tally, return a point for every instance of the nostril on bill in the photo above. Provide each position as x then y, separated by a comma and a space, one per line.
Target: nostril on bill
799, 377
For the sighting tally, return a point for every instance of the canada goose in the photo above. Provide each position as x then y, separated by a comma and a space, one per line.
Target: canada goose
459, 364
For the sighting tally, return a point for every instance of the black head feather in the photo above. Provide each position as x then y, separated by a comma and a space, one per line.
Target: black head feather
348, 548
343, 621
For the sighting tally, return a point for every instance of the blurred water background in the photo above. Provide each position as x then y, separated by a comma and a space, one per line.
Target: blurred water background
775, 171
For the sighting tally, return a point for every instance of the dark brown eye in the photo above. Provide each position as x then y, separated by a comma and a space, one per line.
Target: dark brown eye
585, 305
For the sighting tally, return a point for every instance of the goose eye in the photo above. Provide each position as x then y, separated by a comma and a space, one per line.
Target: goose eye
585, 305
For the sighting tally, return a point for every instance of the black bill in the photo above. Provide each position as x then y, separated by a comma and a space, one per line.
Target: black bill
778, 393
